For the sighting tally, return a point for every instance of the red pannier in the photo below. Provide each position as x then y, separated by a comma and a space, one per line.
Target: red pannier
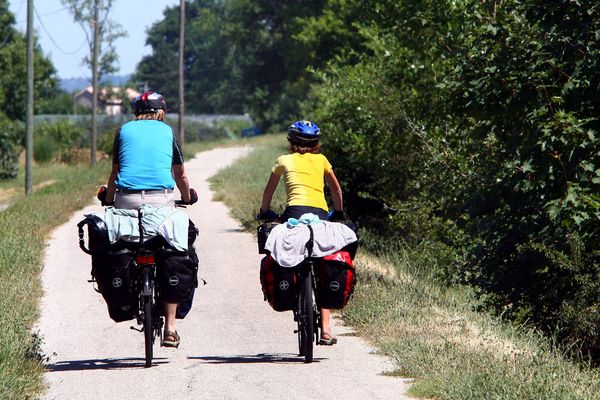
279, 285
335, 278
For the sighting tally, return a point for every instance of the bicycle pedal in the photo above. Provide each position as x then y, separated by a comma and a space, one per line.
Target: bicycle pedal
136, 329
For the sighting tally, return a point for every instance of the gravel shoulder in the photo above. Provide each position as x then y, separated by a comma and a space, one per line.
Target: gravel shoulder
234, 346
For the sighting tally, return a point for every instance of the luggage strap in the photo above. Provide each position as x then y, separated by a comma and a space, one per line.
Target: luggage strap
311, 241
81, 241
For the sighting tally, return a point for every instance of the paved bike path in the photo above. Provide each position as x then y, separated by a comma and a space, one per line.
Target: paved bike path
234, 346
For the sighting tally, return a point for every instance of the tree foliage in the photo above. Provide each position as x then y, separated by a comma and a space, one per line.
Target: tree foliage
484, 139
13, 89
240, 56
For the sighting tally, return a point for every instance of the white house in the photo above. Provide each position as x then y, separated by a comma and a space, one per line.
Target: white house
110, 99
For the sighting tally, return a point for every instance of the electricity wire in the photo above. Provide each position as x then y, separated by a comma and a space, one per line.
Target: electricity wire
67, 53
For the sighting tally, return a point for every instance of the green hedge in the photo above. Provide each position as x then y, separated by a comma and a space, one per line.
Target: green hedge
473, 127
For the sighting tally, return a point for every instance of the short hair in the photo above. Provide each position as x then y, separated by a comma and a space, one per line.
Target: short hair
159, 115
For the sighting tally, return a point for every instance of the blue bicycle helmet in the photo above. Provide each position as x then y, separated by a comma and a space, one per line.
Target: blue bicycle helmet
304, 133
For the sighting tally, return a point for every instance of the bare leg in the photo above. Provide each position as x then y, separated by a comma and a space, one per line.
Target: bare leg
325, 324
170, 310
327, 337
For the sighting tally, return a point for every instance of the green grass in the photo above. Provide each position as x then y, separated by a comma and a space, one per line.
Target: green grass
24, 226
430, 331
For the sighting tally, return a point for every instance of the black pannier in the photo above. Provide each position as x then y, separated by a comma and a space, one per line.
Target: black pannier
112, 268
177, 275
280, 285
335, 279
114, 274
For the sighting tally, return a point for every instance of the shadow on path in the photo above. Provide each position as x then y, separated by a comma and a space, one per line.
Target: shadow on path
101, 363
254, 359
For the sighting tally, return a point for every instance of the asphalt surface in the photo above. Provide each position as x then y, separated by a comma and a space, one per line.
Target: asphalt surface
233, 345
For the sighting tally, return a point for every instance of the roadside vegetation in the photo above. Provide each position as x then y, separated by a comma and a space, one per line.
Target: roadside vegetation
432, 331
25, 224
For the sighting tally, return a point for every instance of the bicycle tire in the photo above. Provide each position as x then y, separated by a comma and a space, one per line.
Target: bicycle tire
148, 323
306, 318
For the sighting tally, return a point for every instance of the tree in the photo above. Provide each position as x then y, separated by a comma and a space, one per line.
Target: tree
100, 31
241, 56
12, 89
210, 84
83, 12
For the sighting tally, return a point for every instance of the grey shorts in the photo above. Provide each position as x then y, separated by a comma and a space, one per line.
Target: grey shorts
132, 200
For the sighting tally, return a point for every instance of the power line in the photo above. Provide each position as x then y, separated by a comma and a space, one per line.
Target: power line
44, 15
67, 53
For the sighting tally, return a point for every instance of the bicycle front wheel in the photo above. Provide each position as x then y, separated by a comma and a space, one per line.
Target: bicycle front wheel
306, 318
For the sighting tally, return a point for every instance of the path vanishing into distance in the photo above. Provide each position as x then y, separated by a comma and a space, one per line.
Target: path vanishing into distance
233, 345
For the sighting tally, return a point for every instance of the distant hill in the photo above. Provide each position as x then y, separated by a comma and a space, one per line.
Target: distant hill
75, 84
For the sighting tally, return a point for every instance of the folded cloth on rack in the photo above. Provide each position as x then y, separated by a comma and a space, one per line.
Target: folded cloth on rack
306, 219
168, 222
287, 242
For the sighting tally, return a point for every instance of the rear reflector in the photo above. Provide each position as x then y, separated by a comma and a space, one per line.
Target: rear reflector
144, 260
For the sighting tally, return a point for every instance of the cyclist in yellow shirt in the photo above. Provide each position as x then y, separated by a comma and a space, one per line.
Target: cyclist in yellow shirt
305, 171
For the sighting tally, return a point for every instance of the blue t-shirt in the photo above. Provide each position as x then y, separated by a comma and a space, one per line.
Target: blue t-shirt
145, 151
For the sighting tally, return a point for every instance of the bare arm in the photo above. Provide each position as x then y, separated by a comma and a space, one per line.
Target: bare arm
182, 182
336, 191
269, 191
111, 188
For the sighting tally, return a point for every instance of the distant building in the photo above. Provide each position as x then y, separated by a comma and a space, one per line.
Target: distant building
110, 99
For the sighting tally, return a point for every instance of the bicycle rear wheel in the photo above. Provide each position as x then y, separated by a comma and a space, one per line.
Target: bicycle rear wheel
148, 325
306, 318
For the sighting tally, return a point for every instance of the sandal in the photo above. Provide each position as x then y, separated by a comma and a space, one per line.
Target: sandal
327, 339
171, 339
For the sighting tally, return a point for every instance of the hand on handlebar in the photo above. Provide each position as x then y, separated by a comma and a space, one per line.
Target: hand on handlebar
336, 215
101, 195
267, 215
193, 198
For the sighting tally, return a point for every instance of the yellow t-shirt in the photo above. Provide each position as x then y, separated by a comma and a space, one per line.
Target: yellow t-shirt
304, 178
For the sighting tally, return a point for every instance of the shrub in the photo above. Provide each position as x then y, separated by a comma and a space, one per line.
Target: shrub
54, 139
11, 134
45, 149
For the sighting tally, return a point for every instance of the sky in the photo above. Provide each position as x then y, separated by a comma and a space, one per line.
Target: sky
63, 40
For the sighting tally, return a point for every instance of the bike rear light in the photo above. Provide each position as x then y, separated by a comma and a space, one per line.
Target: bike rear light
144, 260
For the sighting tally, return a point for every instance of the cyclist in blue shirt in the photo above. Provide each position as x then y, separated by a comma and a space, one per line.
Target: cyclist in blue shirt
147, 163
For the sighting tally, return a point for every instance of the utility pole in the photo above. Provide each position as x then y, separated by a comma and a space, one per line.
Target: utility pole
95, 51
29, 118
181, 130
